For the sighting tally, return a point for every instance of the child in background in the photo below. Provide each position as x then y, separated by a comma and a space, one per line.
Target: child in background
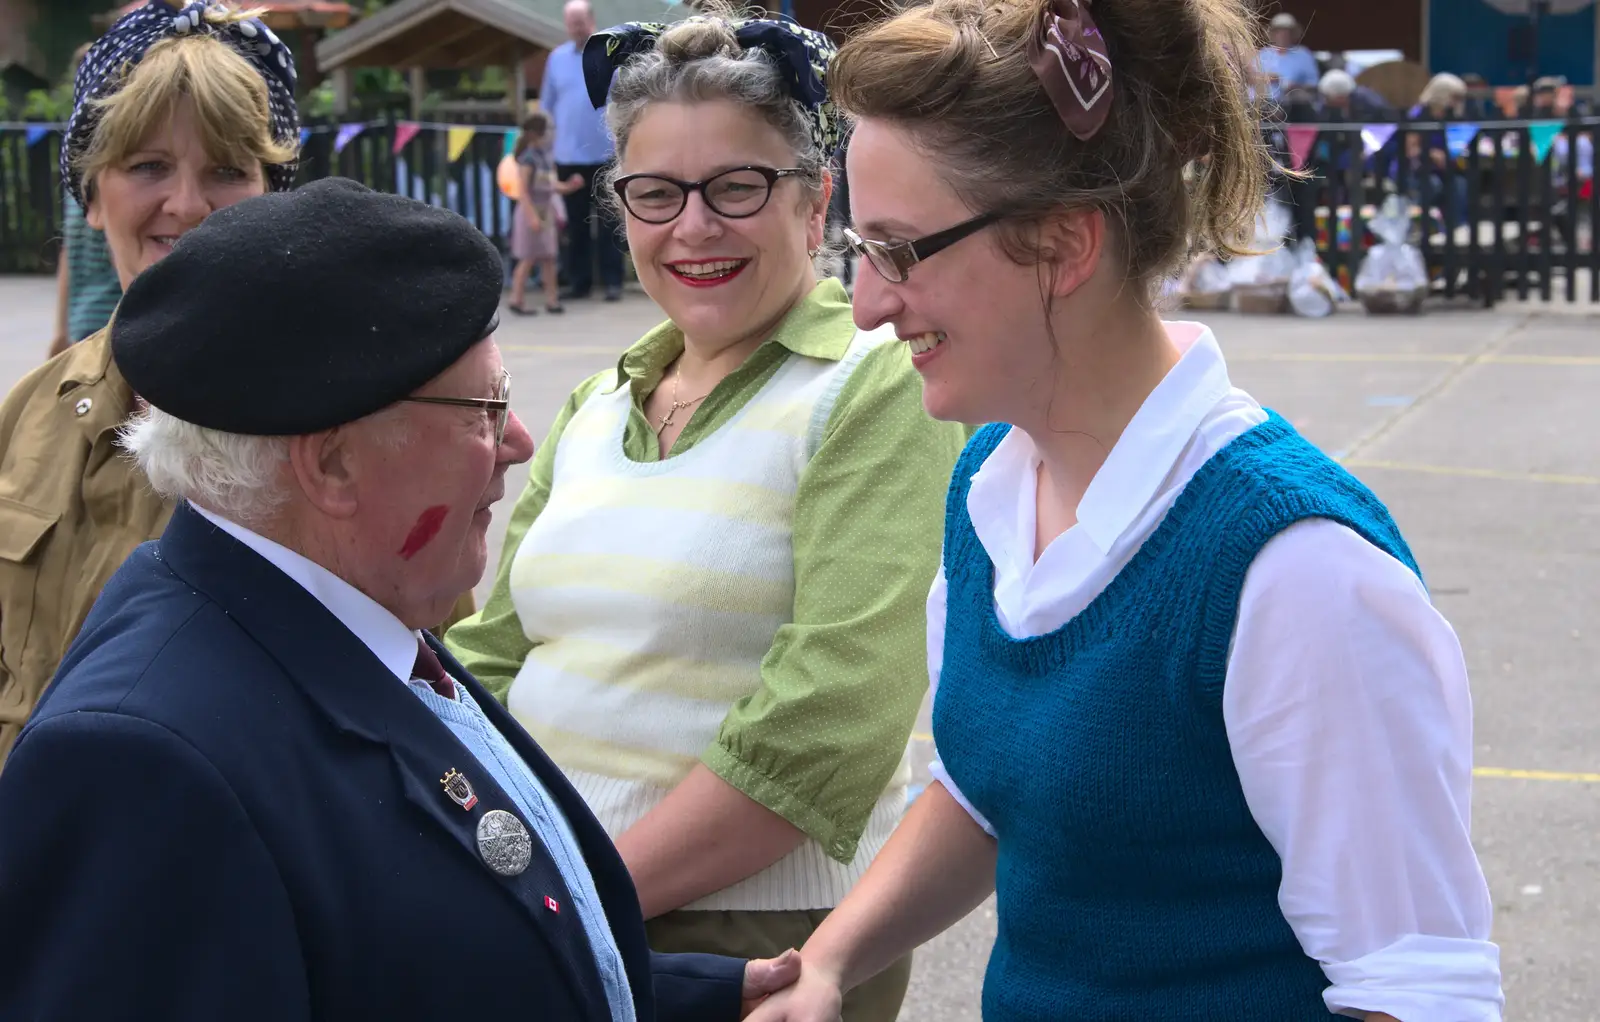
533, 234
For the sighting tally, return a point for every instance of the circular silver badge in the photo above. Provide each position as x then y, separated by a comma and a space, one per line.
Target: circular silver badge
504, 843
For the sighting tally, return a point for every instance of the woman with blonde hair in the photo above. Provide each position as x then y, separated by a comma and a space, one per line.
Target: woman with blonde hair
709, 607
1199, 729
178, 112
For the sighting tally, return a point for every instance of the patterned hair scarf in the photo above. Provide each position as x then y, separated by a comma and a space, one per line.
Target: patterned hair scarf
1068, 56
802, 54
106, 66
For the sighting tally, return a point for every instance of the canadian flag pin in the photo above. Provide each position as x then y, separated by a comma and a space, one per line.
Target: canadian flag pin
552, 904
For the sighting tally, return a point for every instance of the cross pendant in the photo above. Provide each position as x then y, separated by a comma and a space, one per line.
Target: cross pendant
666, 420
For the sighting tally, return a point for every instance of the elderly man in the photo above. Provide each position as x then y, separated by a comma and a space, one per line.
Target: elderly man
1287, 65
582, 148
255, 790
1340, 98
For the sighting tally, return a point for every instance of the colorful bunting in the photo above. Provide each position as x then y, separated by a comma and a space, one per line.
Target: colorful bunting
1541, 134
305, 136
1458, 138
35, 133
1301, 138
511, 143
1376, 136
459, 137
346, 133
404, 132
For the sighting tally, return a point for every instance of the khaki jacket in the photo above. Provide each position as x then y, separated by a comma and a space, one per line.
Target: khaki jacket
72, 508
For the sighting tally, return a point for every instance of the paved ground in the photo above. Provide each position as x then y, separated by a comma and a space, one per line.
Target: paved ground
1482, 432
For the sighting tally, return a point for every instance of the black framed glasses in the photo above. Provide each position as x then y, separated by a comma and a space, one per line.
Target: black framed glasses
893, 259
735, 194
498, 406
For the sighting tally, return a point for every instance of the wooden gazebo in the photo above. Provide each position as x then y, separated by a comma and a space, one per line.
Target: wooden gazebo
422, 35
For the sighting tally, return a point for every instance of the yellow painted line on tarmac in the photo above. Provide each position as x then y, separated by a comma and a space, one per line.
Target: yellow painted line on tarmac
1475, 473
1343, 356
1537, 775
1501, 772
1543, 360
1415, 358
562, 349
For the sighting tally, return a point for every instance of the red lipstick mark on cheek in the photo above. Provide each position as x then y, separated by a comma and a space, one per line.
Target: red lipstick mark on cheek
422, 533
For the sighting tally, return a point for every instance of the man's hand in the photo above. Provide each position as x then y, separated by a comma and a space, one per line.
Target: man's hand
764, 977
815, 998
574, 181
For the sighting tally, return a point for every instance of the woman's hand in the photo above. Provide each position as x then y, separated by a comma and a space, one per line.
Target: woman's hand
533, 219
764, 977
814, 998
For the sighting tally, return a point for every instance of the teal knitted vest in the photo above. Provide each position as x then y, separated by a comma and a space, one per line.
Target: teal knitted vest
1132, 881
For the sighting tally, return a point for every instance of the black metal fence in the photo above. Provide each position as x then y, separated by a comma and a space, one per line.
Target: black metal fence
421, 167
1500, 207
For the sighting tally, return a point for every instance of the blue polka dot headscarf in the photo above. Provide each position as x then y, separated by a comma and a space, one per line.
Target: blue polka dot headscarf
105, 68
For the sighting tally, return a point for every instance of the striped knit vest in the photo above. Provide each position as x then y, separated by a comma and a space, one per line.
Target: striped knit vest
652, 592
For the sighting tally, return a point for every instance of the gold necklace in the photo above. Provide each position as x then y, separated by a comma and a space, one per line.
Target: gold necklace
677, 406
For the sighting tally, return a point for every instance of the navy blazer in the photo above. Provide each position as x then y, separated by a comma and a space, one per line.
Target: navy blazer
225, 807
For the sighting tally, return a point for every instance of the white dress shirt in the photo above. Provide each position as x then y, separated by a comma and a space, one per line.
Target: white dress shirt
1345, 701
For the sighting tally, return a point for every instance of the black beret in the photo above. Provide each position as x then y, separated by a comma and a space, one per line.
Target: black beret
295, 312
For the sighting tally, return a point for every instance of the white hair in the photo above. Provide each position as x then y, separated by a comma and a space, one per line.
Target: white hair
236, 476
1443, 88
1336, 83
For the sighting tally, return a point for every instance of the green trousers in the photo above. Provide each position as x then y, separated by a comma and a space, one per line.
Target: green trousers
767, 935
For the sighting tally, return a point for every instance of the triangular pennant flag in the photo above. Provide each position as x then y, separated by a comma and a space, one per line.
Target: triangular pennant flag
1541, 134
346, 133
1301, 138
1458, 138
459, 137
1376, 136
511, 143
404, 132
305, 135
36, 132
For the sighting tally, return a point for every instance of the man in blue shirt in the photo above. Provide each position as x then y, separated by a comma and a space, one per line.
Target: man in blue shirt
1286, 64
582, 148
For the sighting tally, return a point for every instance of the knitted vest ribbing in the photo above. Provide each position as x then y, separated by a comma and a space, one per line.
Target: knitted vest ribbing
1133, 882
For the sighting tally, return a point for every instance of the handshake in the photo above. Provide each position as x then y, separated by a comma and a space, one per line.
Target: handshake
782, 989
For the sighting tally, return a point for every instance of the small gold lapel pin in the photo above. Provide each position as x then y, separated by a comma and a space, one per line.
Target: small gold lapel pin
459, 789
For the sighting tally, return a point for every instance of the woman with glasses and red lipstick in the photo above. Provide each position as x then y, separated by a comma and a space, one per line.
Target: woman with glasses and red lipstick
709, 609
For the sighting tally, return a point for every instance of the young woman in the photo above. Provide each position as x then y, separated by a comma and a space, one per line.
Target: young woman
1199, 728
709, 610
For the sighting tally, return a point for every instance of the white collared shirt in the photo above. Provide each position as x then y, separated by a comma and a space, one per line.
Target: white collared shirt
379, 630
1345, 701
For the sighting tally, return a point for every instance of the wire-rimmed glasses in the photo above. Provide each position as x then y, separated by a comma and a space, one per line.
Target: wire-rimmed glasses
498, 406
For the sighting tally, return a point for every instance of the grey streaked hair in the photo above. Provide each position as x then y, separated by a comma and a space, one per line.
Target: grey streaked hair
697, 61
237, 476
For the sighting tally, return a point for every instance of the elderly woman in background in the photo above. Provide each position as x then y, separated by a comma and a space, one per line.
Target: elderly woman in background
177, 113
708, 609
